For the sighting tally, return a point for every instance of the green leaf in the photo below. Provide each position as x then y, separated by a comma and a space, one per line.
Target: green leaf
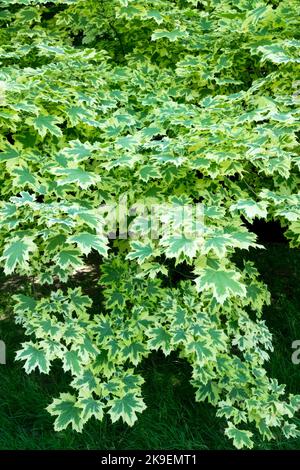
140, 252
91, 407
16, 253
164, 159
84, 179
278, 54
126, 408
86, 348
250, 208
180, 246
34, 358
115, 298
210, 392
76, 152
135, 352
9, 154
49, 327
68, 258
147, 172
155, 15
77, 114
203, 351
129, 142
24, 178
87, 383
170, 35
87, 241
79, 303
160, 339
217, 243
240, 437
290, 430
68, 412
224, 283
28, 15
46, 123
71, 362
148, 107
24, 304
218, 338
55, 242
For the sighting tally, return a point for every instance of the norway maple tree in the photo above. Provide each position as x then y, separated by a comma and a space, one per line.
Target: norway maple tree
163, 103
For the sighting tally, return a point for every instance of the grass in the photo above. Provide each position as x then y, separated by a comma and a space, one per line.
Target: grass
172, 420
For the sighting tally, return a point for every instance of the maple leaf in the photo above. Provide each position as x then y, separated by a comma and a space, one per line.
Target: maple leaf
83, 178
71, 362
67, 412
160, 339
68, 258
223, 283
240, 437
134, 351
24, 178
46, 123
86, 381
76, 152
203, 351
170, 35
250, 208
147, 172
180, 246
91, 407
126, 408
16, 253
140, 252
88, 241
34, 358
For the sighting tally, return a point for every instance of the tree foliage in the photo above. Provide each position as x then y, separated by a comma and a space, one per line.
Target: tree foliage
164, 102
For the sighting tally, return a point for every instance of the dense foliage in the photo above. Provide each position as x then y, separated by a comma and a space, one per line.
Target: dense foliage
159, 104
